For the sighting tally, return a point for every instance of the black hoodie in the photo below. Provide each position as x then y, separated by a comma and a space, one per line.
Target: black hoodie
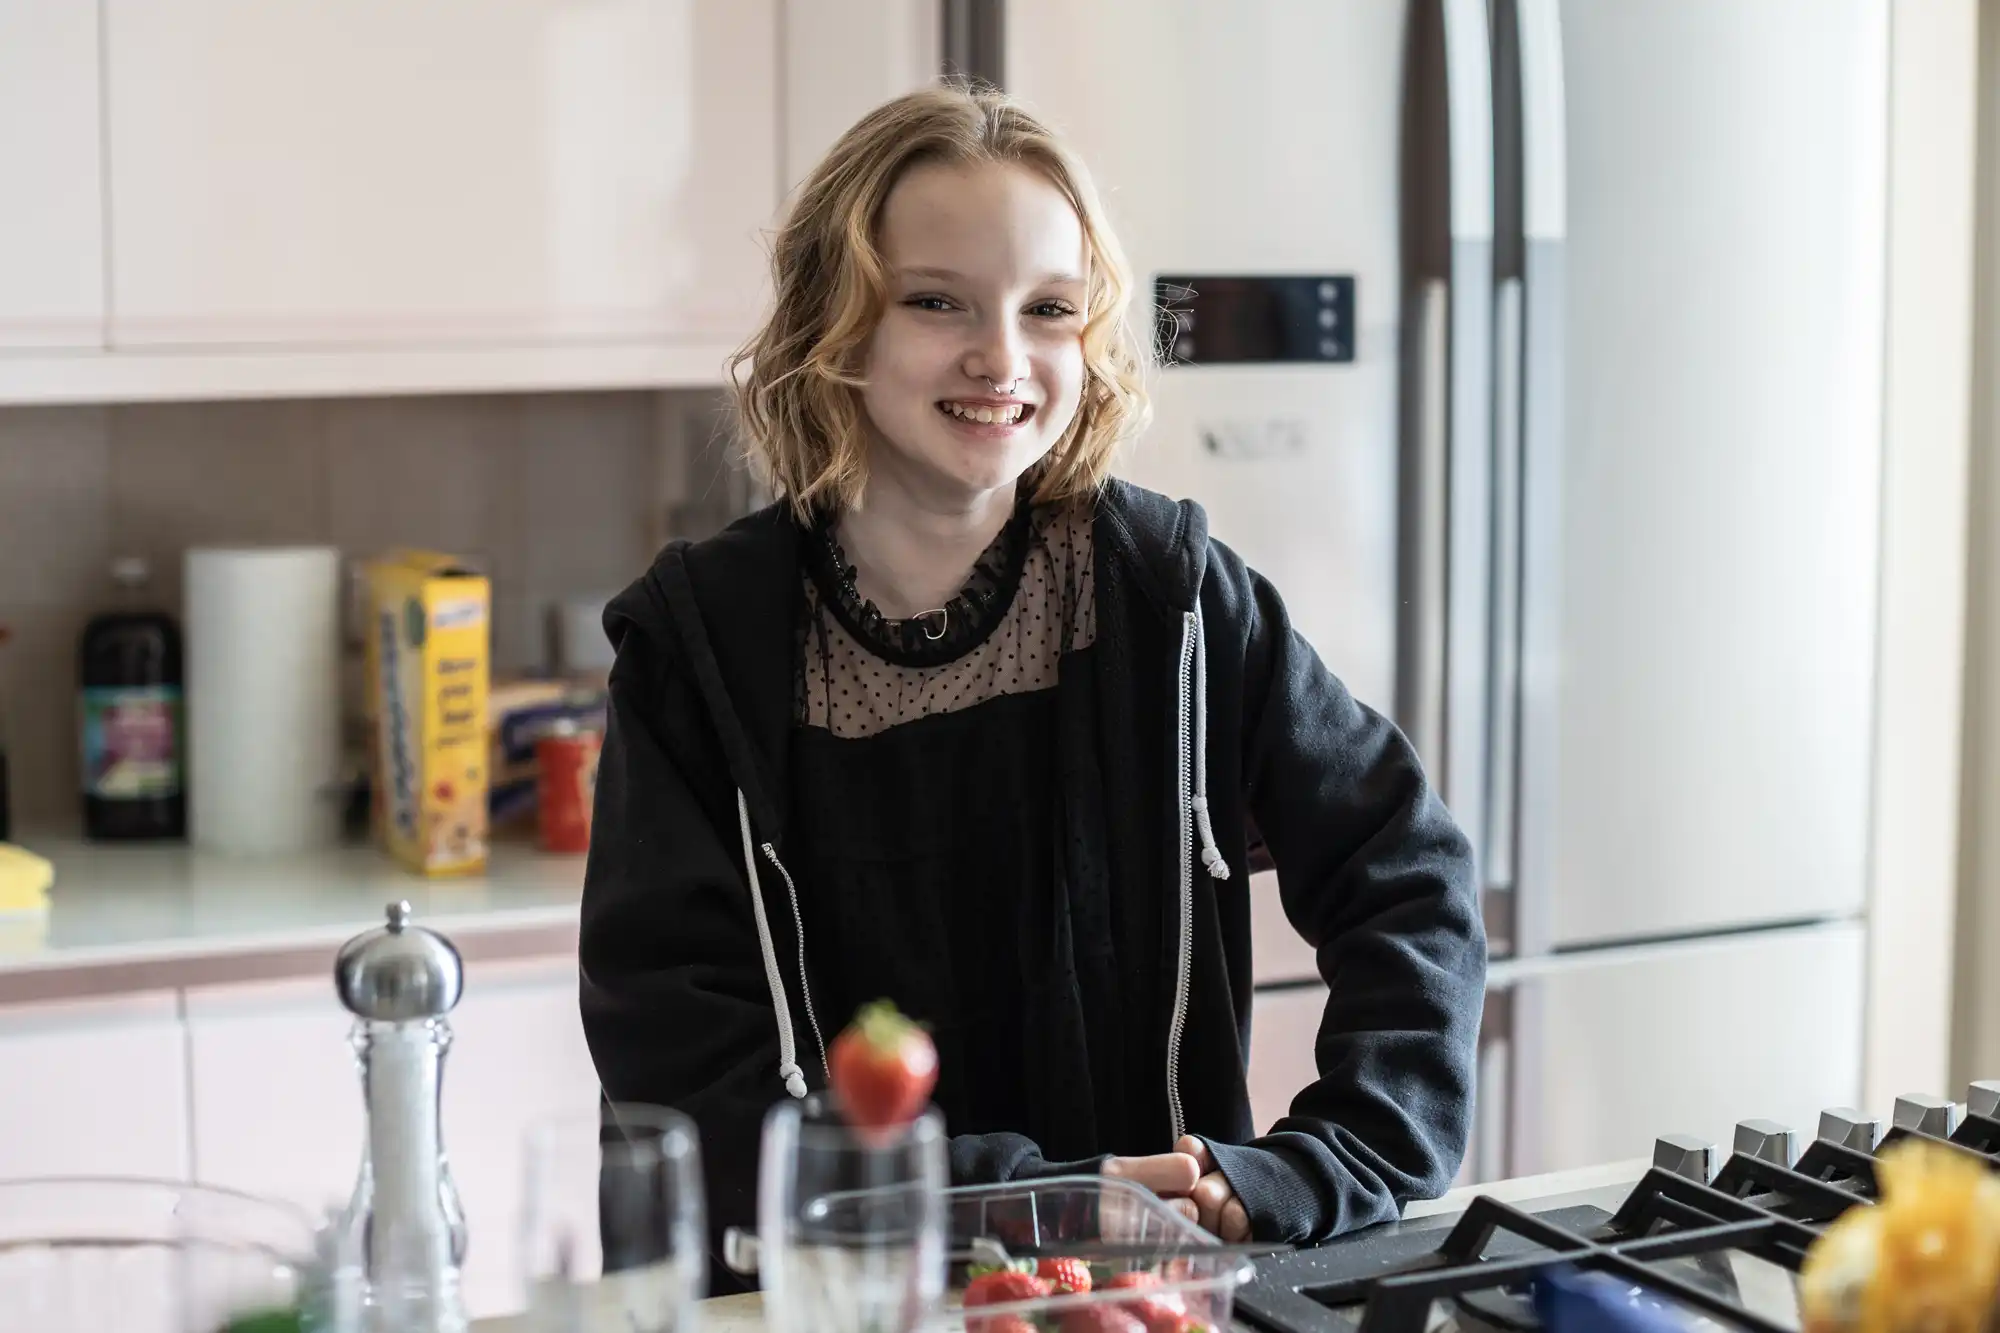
1203, 723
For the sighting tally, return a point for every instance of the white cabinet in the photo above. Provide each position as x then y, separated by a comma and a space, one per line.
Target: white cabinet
277, 1101
843, 58
374, 173
94, 1087
51, 236
518, 1056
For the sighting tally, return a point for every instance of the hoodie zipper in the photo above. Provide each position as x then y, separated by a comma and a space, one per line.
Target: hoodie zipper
799, 932
1184, 952
781, 1010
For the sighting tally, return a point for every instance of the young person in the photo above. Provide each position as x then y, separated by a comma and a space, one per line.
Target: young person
963, 722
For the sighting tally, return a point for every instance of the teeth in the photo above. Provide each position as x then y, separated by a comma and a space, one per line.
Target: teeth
985, 416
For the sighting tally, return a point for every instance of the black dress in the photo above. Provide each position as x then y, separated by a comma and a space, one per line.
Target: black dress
928, 815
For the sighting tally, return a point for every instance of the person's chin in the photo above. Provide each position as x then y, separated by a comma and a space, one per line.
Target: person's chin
987, 468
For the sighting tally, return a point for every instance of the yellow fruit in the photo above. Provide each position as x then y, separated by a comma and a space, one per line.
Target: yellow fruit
1925, 1258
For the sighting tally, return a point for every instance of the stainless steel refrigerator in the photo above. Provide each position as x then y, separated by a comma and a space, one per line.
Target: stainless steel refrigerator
1581, 485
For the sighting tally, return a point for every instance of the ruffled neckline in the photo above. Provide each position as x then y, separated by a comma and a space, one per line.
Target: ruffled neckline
935, 637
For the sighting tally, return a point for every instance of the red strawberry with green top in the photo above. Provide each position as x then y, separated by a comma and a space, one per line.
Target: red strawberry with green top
882, 1067
1068, 1276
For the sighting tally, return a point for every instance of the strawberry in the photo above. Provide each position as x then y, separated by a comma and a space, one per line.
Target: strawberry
1004, 1288
1070, 1277
1102, 1319
1159, 1313
1136, 1280
883, 1068
1002, 1323
1157, 1316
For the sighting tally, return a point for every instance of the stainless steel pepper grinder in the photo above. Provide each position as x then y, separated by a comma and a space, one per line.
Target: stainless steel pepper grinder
404, 1230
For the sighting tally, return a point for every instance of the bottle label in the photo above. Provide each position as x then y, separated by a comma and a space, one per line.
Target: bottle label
132, 742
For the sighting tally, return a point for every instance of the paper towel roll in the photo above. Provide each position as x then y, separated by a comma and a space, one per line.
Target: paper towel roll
262, 635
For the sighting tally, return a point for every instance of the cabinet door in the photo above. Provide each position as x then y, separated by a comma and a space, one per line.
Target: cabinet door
51, 229
94, 1087
460, 171
276, 1099
518, 1056
844, 58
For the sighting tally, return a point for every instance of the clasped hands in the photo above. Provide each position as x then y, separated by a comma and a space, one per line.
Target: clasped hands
1188, 1180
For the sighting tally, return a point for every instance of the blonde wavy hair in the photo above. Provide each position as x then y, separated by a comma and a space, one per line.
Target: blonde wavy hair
797, 400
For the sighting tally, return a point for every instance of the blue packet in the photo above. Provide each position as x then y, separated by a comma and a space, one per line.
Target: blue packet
1570, 1301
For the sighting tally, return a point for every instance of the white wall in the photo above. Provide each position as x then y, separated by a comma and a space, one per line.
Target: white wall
1933, 123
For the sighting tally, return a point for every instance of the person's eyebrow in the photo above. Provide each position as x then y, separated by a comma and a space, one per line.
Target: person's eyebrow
952, 275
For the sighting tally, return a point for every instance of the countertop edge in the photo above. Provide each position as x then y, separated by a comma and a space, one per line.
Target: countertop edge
744, 1314
166, 965
1541, 1188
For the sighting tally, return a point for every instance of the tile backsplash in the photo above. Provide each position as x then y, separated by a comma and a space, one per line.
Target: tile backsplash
556, 496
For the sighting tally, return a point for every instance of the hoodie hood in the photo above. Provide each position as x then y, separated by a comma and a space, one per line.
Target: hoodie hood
728, 608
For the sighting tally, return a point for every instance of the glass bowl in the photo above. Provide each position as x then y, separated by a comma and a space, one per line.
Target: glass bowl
87, 1254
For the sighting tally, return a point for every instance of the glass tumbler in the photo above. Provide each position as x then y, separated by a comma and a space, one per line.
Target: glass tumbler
614, 1227
851, 1227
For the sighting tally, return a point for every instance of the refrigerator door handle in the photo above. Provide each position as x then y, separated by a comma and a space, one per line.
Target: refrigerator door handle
1469, 433
1433, 395
1504, 708
1541, 385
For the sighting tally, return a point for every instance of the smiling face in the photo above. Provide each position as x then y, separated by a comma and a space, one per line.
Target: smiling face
987, 276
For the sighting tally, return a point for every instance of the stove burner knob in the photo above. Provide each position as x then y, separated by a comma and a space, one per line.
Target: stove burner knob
1983, 1098
1849, 1128
1685, 1155
1937, 1116
1768, 1141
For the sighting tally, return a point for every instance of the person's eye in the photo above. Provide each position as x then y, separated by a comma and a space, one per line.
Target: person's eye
1052, 309
929, 303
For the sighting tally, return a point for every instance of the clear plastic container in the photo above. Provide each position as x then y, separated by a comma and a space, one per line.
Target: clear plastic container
1114, 1225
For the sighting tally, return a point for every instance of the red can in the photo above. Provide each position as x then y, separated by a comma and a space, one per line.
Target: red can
566, 785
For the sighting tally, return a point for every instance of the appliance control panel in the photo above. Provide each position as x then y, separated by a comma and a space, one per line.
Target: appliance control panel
1254, 319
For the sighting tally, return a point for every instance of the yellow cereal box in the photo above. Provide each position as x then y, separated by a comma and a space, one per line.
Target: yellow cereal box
429, 635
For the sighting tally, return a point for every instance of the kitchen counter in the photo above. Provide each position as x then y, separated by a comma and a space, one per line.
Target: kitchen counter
147, 917
745, 1314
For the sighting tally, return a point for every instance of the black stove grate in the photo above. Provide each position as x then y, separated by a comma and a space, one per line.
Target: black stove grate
1753, 1206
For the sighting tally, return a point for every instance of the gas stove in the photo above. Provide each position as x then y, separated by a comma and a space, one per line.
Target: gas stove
1722, 1241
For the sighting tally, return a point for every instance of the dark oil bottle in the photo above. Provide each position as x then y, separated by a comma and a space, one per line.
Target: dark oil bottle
130, 713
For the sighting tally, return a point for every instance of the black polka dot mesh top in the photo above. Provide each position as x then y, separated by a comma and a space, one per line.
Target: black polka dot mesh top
1027, 602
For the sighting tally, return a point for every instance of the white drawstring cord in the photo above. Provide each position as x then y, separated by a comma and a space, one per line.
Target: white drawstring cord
788, 1067
1211, 858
